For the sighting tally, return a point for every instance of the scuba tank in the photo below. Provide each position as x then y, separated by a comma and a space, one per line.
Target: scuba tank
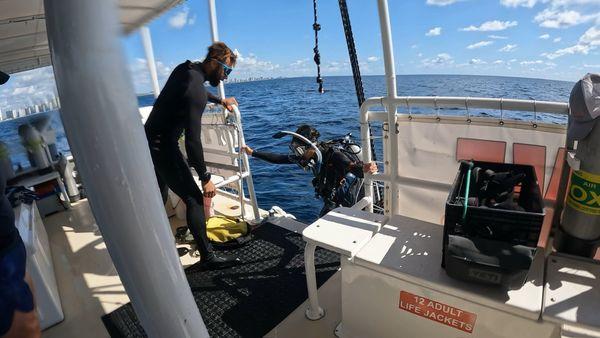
66, 171
579, 231
36, 147
43, 125
5, 162
350, 188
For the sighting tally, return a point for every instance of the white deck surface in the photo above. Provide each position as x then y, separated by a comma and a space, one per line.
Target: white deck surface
87, 280
88, 283
573, 292
344, 230
411, 250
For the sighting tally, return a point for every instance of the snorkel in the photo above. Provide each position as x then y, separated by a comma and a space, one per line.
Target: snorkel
317, 166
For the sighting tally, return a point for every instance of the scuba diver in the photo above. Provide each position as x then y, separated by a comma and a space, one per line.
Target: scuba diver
335, 164
178, 109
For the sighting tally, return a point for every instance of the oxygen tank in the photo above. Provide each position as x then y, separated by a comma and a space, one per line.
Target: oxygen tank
579, 231
66, 171
36, 148
43, 125
5, 163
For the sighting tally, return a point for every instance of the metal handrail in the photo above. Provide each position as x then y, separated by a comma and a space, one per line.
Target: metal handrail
463, 102
390, 116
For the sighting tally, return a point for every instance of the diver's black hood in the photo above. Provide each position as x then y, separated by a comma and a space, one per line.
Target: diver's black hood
309, 132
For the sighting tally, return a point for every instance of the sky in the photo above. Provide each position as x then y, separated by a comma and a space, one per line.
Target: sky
550, 39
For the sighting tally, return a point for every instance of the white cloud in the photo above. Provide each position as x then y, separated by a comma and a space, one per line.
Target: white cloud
497, 37
28, 88
589, 41
477, 62
498, 62
140, 75
252, 66
544, 36
441, 59
372, 59
491, 26
517, 3
592, 66
536, 62
414, 46
557, 39
441, 2
480, 44
552, 18
182, 18
537, 65
300, 63
434, 31
508, 48
24, 90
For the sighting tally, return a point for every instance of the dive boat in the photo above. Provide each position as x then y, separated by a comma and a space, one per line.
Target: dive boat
363, 271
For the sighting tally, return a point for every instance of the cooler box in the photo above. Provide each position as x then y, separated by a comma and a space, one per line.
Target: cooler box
39, 264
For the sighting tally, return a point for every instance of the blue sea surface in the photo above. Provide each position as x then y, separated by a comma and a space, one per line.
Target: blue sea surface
283, 104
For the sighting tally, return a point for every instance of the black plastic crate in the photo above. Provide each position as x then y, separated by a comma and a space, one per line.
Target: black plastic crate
492, 246
511, 226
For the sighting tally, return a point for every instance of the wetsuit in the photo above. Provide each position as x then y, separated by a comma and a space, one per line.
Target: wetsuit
179, 109
337, 169
15, 294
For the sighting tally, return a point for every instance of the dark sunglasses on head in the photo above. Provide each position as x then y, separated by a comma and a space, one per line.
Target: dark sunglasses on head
226, 68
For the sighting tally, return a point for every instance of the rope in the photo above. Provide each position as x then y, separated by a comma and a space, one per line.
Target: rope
317, 58
360, 94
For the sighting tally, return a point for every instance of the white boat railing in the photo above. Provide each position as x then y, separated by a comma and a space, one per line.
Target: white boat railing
403, 108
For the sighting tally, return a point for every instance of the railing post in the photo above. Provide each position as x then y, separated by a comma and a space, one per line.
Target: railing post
102, 122
389, 102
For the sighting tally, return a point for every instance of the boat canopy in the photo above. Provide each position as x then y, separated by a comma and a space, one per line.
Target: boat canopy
23, 37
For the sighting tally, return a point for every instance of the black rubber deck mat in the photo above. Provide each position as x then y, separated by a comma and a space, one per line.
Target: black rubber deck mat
250, 299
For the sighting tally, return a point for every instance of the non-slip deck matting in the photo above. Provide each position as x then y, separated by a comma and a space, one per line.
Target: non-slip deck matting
250, 299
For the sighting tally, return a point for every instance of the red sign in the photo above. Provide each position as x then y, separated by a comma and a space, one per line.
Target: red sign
439, 312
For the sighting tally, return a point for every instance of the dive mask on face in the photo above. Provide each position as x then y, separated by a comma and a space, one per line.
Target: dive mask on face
299, 150
299, 146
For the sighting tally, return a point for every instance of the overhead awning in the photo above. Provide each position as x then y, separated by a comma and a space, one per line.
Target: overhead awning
23, 38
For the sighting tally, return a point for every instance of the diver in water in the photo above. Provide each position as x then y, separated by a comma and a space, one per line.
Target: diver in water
179, 109
335, 164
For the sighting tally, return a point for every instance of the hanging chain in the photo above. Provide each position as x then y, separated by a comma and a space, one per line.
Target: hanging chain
317, 58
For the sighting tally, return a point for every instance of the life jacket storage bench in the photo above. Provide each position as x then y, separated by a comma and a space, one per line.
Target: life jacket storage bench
395, 287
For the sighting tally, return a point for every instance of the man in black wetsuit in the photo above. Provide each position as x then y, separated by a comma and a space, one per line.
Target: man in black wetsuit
17, 314
337, 181
179, 109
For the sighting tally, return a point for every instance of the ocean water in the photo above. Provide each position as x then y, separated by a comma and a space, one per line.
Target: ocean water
283, 104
